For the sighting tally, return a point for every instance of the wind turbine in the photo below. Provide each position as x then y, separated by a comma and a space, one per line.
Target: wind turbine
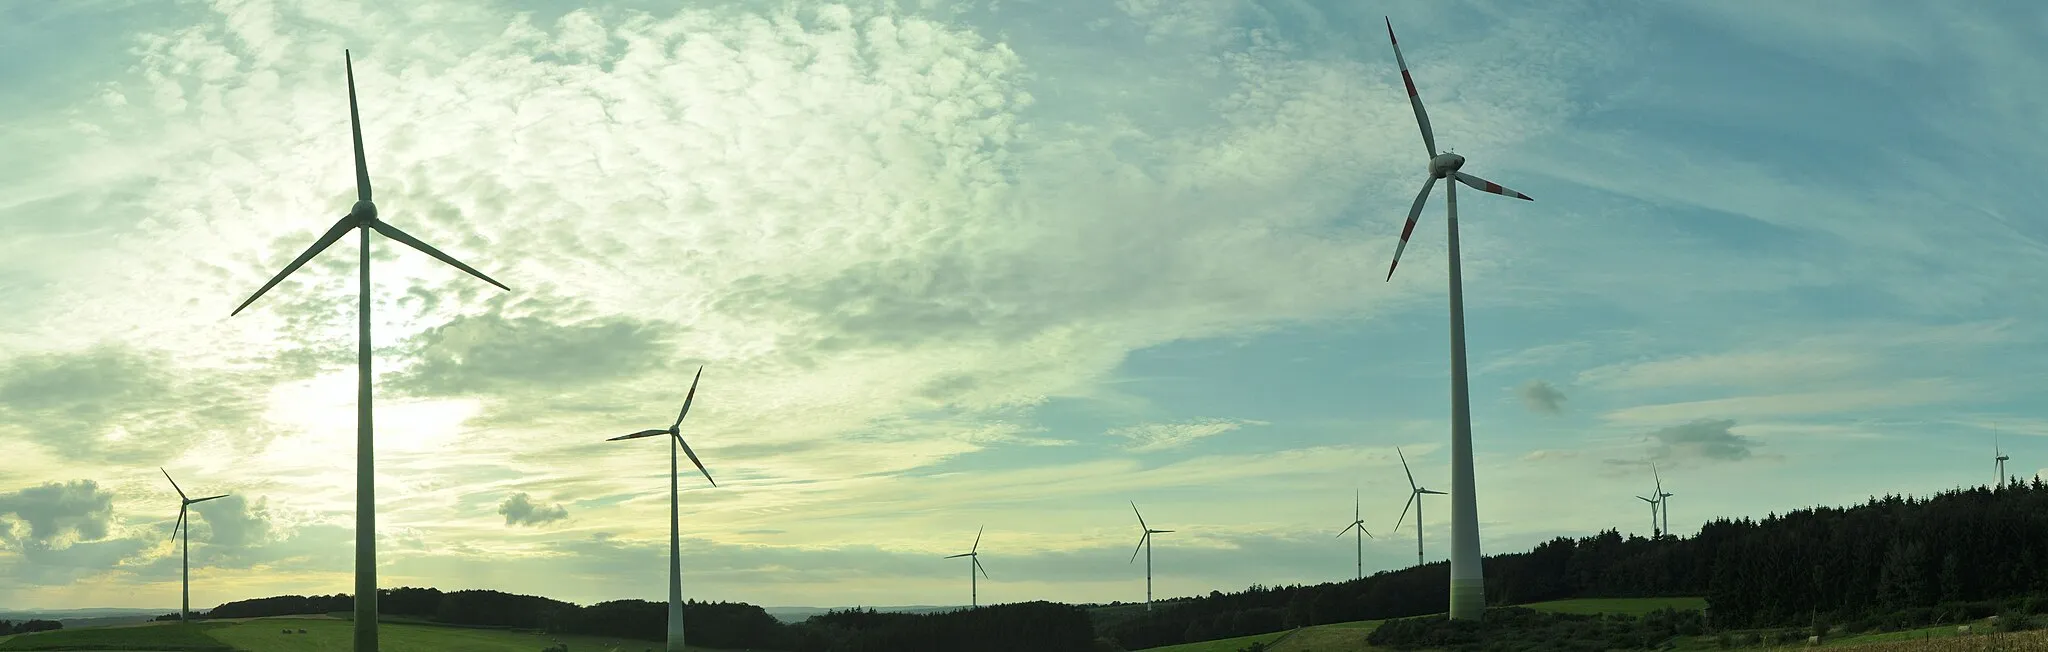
185, 564
2000, 459
1145, 543
1468, 582
1357, 524
675, 554
1415, 494
974, 559
363, 216
1663, 499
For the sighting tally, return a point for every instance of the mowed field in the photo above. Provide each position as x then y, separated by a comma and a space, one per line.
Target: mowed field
322, 635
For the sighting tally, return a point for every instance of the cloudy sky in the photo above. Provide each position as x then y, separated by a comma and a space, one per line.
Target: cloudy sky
1006, 262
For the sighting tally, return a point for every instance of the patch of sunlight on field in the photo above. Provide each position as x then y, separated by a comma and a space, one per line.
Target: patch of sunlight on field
1629, 606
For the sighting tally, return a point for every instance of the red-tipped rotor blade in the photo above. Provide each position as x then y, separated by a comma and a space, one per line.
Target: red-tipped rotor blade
1483, 185
1414, 213
1414, 99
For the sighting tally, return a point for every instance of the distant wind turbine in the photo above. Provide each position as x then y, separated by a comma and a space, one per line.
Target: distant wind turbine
2000, 459
1357, 531
1145, 544
1415, 494
185, 564
973, 556
675, 554
1663, 499
363, 216
1468, 581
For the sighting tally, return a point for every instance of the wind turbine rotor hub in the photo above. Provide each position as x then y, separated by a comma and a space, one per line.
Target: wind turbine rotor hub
364, 210
1444, 164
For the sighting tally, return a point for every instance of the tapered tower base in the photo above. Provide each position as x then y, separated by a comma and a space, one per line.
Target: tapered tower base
1468, 598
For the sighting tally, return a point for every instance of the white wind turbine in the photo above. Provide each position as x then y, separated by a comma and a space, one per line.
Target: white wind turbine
185, 562
973, 556
1655, 531
1358, 532
675, 553
1145, 543
1415, 494
1468, 582
363, 217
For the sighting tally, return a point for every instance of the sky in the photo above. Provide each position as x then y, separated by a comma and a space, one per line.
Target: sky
1012, 264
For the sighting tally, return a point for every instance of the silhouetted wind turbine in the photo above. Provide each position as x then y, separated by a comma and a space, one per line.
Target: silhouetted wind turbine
1468, 582
1145, 543
363, 216
675, 554
1357, 524
1415, 494
185, 564
974, 564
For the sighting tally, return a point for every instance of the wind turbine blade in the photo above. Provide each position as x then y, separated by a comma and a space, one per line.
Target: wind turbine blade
1404, 511
1347, 529
1432, 492
195, 502
1407, 229
180, 523
1161, 531
1141, 546
964, 554
1141, 517
355, 125
1404, 469
1646, 500
174, 483
392, 232
326, 240
1483, 185
637, 435
977, 539
1658, 478
977, 566
1368, 533
693, 460
1414, 99
1354, 505
687, 398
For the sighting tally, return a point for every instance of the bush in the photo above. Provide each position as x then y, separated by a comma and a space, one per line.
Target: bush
1254, 647
2015, 621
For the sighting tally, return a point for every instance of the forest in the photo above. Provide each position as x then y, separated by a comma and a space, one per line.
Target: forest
1899, 558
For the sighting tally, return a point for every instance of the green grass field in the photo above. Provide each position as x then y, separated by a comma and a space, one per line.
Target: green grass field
152, 636
1630, 606
322, 635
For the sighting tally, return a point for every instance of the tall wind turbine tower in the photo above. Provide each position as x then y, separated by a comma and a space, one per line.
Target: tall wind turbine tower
1415, 494
973, 556
1468, 582
675, 546
1145, 544
185, 562
1358, 532
363, 217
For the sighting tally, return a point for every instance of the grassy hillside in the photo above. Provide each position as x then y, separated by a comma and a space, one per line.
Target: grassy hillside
322, 635
1350, 637
1221, 645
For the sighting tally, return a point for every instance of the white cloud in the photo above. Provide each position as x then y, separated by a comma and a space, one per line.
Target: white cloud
1147, 437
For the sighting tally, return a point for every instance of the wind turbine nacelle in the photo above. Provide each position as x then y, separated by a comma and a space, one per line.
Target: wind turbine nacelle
364, 210
1444, 164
